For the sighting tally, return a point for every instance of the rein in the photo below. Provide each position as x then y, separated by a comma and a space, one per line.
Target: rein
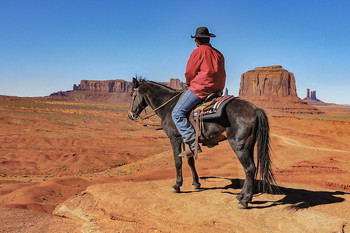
154, 110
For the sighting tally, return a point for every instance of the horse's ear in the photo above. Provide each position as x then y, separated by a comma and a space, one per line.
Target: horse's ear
135, 82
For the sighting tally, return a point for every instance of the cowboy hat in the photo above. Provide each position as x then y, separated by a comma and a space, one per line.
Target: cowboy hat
203, 32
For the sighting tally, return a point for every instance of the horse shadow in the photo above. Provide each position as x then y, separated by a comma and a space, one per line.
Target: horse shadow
296, 199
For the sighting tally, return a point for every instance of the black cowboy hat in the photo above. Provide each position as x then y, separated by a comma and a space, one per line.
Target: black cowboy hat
203, 32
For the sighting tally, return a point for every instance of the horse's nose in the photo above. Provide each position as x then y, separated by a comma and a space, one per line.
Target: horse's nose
131, 116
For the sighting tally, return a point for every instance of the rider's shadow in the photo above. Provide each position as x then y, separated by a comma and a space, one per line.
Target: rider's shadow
296, 199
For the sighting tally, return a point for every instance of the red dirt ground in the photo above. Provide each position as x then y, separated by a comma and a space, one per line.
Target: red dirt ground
106, 173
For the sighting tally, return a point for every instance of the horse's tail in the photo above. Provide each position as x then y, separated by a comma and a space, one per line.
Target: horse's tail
268, 182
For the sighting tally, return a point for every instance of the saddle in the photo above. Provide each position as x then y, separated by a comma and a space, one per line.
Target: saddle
212, 107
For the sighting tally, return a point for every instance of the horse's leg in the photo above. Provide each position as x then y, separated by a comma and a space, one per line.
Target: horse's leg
190, 161
176, 146
247, 161
246, 157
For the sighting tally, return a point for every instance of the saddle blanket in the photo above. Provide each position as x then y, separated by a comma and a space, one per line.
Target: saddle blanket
214, 108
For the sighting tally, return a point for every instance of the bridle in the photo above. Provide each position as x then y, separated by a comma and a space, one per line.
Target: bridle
133, 98
136, 96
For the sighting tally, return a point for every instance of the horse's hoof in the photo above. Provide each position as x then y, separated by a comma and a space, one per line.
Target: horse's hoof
196, 185
174, 190
239, 197
243, 205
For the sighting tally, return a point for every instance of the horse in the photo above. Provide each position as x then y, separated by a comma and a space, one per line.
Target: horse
244, 125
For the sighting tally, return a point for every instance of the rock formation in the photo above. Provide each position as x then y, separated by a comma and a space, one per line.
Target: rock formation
104, 86
226, 91
268, 81
312, 99
94, 91
176, 84
107, 91
273, 88
313, 95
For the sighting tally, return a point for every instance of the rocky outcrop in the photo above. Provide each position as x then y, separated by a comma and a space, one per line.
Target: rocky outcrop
94, 91
107, 91
268, 81
312, 99
312, 96
104, 86
226, 91
273, 88
175, 83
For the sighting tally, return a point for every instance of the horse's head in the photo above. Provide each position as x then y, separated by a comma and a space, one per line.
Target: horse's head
138, 102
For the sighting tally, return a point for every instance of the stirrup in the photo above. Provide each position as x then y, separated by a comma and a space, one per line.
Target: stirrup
187, 152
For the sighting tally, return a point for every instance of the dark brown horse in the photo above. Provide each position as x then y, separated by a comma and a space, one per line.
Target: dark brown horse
244, 124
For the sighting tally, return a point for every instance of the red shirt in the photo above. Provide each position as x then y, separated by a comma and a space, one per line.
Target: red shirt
205, 71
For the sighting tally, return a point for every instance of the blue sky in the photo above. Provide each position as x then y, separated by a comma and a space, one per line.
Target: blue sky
47, 46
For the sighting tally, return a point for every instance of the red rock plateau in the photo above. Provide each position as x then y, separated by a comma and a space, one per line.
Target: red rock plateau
105, 173
107, 91
273, 88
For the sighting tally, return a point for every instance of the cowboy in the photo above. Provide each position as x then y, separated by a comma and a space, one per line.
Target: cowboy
205, 74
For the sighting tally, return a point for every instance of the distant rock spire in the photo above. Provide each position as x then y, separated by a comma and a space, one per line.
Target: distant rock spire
313, 95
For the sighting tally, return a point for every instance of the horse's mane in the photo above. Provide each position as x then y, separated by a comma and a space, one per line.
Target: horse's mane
160, 85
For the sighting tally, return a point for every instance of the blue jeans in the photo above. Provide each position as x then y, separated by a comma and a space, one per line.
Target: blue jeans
180, 113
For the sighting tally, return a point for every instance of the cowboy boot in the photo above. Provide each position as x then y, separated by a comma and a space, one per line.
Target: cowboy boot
192, 145
190, 148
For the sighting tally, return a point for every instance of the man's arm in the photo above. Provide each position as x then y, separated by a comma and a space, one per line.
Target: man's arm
193, 66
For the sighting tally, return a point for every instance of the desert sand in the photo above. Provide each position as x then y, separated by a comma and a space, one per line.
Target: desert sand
74, 167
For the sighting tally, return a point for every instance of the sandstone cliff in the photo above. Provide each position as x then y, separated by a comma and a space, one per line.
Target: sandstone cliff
107, 91
176, 84
273, 88
104, 86
268, 81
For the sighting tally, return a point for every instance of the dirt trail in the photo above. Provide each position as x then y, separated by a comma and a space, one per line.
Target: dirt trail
292, 142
